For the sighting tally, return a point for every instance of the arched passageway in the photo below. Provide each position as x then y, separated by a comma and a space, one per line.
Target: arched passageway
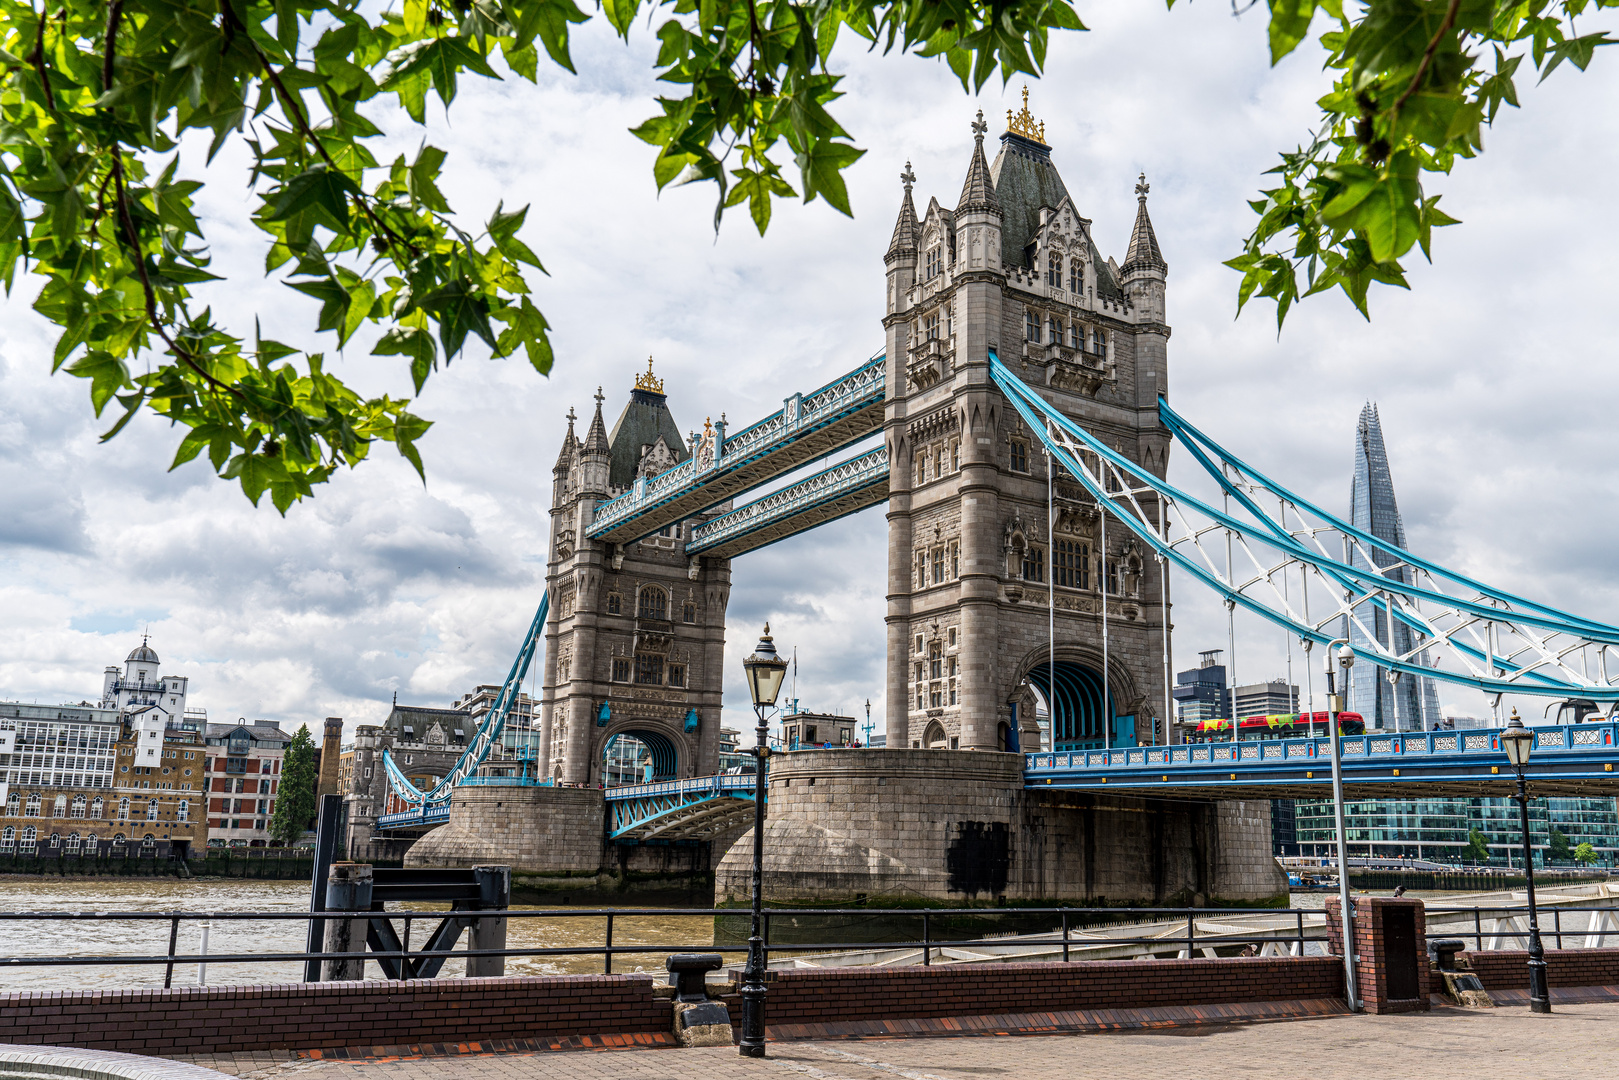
638, 756
1079, 718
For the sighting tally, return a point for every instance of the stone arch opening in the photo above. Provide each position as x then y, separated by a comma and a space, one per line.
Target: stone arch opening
638, 756
1079, 718
933, 738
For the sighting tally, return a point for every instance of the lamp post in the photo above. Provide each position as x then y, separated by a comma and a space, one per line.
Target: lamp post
1346, 660
765, 671
1518, 741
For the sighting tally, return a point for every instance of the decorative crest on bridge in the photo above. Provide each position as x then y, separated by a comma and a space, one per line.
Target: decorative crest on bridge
649, 382
1024, 123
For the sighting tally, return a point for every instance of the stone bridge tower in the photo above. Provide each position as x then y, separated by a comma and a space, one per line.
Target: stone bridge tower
635, 642
973, 558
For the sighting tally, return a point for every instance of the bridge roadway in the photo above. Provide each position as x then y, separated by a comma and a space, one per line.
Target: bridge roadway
1571, 759
722, 466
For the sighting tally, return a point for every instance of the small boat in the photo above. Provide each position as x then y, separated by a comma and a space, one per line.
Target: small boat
1301, 882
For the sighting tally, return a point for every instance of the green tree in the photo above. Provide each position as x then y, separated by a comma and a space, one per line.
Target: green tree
1478, 846
97, 95
1585, 854
295, 796
1559, 848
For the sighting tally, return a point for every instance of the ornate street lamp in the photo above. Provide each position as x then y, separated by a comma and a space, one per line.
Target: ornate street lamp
765, 672
1335, 706
1518, 741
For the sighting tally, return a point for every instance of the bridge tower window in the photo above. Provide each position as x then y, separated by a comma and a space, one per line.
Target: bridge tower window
621, 669
652, 603
1071, 564
1031, 326
955, 455
930, 326
1034, 564
1054, 331
938, 566
677, 674
1020, 456
649, 670
1076, 338
955, 572
1076, 276
952, 691
932, 264
935, 696
936, 661
1054, 271
615, 604
689, 612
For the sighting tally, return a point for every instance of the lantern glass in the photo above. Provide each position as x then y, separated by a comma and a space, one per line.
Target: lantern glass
1518, 741
765, 671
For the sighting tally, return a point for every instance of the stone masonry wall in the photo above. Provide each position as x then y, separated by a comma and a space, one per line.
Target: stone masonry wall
950, 827
537, 829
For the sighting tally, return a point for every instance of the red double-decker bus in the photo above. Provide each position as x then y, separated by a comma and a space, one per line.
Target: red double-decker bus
1277, 726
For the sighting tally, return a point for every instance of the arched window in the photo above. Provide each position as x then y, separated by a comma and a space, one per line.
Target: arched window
1075, 341
8, 838
72, 843
33, 805
151, 810
59, 808
78, 806
1054, 271
1054, 331
934, 738
148, 843
123, 809
29, 840
96, 806
1076, 276
92, 844
1031, 326
13, 804
653, 603
689, 614
183, 811
1099, 342
56, 840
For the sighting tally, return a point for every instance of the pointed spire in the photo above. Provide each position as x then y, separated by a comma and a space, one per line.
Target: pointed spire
596, 437
1143, 253
978, 193
905, 229
570, 442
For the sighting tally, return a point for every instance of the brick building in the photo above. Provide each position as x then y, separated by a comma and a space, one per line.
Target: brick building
243, 770
426, 743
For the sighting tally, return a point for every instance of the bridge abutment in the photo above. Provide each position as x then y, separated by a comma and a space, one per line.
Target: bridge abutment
942, 828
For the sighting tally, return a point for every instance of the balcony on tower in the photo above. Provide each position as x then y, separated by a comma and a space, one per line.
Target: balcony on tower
932, 358
1069, 368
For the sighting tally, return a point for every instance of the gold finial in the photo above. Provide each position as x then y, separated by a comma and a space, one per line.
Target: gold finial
1024, 122
708, 426
647, 382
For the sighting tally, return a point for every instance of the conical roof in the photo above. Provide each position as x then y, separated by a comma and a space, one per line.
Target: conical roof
1143, 253
978, 190
596, 438
570, 443
645, 419
905, 228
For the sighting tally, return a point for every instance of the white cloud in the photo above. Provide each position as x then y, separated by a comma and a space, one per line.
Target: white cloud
1493, 376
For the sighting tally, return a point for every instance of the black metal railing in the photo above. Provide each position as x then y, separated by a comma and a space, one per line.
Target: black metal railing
930, 943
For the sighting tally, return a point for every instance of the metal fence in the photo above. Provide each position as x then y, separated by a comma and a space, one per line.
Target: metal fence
1285, 927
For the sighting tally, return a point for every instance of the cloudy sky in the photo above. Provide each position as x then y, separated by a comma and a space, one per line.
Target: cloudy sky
1494, 376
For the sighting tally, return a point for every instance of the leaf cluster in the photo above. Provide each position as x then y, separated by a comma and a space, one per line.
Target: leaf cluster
97, 95
1417, 82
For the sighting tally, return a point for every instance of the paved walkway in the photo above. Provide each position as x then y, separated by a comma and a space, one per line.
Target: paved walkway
1575, 1041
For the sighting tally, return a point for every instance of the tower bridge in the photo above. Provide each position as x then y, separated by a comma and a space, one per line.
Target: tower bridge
1021, 400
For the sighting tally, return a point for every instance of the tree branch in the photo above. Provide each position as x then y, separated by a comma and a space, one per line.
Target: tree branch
39, 56
1427, 56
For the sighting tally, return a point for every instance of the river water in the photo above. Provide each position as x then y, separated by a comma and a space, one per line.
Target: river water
30, 938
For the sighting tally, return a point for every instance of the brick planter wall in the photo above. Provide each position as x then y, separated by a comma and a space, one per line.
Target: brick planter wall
809, 996
1508, 969
201, 1020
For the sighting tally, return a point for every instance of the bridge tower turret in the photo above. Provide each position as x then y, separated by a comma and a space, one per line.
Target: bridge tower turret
636, 639
976, 566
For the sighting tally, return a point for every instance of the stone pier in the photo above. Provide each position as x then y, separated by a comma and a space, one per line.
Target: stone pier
946, 828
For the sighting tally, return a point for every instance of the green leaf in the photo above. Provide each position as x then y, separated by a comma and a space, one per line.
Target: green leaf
415, 343
107, 375
1289, 25
503, 231
821, 166
527, 327
319, 189
422, 174
459, 310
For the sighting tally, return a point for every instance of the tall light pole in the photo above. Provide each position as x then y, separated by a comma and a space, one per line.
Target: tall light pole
1346, 659
765, 671
1518, 741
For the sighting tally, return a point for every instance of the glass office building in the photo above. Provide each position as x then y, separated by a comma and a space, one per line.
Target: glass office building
1438, 829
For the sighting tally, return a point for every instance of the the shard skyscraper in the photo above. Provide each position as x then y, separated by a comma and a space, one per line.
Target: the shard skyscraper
1409, 704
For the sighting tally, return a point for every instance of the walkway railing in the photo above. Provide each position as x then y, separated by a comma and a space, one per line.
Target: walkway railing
1293, 927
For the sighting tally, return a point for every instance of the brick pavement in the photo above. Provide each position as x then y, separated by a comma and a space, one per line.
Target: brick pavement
1570, 1043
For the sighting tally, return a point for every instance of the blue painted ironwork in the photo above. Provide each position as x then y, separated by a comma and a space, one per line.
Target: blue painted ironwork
483, 740
1569, 759
843, 489
723, 466
1494, 641
695, 809
426, 814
